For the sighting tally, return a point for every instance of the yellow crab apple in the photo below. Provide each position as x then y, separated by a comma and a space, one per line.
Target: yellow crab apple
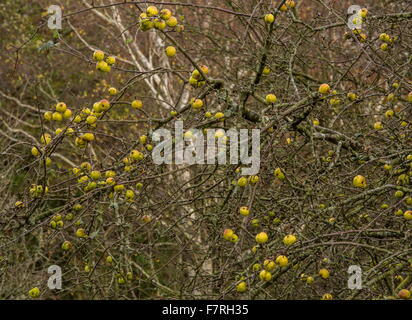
310, 280
283, 8
48, 116
103, 66
234, 238
219, 115
324, 273
359, 181
61, 107
137, 104
95, 175
66, 245
279, 174
269, 18
244, 211
227, 234
112, 91
81, 233
197, 104
241, 287
57, 116
254, 179
384, 37
19, 204
160, 24
165, 14
289, 239
172, 22
110, 60
152, 11
290, 3
170, 51
45, 138
409, 97
88, 137
270, 98
324, 88
261, 237
282, 260
352, 96
98, 55
404, 294
378, 125
269, 265
399, 194
91, 120
34, 292
327, 296
242, 182
389, 114
67, 114
363, 13
265, 275
35, 152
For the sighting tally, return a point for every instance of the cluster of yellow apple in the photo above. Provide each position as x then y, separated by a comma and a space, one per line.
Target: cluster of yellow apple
56, 222
197, 79
307, 278
270, 18
386, 41
90, 117
60, 113
357, 32
229, 235
122, 278
35, 151
289, 4
325, 89
85, 174
37, 190
358, 20
101, 64
153, 18
218, 116
243, 181
269, 265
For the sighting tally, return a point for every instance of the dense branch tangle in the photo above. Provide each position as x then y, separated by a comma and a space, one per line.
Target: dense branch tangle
220, 64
